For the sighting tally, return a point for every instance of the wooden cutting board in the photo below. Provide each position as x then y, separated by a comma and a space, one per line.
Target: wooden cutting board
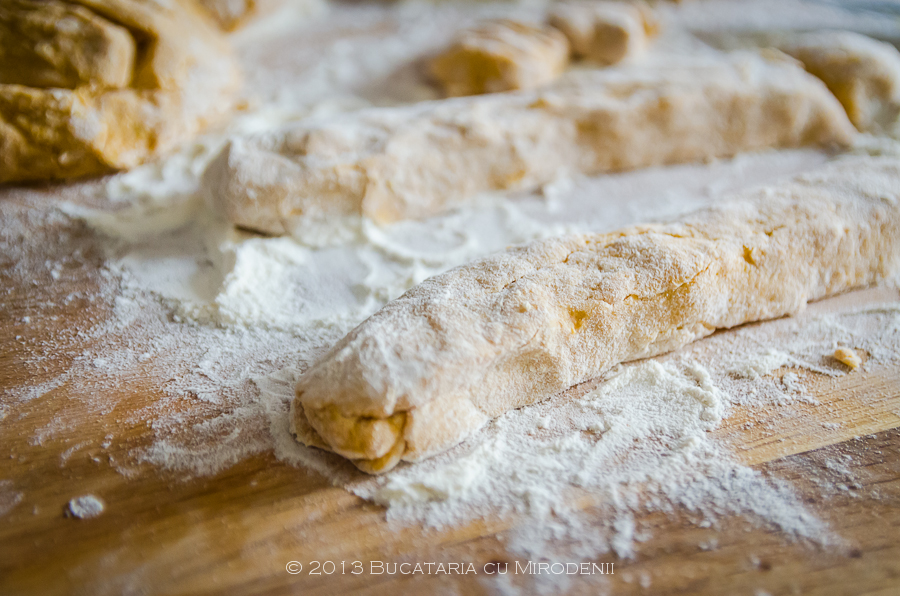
236, 532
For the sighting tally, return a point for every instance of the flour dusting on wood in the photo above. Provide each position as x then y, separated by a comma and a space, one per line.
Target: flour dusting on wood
223, 322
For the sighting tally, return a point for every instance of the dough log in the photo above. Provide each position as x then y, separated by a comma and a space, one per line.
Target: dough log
466, 346
87, 86
416, 161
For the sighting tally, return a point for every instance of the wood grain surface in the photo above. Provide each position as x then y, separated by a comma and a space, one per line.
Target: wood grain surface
235, 532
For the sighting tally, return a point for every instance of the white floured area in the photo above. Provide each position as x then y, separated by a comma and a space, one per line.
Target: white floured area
223, 321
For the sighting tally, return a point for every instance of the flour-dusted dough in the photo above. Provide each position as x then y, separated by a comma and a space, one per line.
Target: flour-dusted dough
463, 347
605, 32
180, 77
863, 73
500, 55
415, 161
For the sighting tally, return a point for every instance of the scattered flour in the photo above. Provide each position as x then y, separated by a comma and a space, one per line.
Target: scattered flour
223, 322
754, 366
9, 498
609, 438
85, 507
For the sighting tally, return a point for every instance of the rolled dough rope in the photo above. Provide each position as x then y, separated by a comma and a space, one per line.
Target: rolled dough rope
500, 56
513, 329
416, 161
863, 73
605, 32
180, 77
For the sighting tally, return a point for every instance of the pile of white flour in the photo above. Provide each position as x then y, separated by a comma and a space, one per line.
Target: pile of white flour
225, 321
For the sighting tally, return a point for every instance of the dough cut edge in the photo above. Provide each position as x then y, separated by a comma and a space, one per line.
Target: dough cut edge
425, 432
304, 429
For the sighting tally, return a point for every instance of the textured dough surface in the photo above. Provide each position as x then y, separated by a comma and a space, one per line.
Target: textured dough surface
498, 56
416, 161
605, 32
863, 73
181, 78
515, 328
55, 44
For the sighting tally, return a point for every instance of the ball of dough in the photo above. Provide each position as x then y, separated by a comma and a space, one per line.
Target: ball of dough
145, 76
55, 44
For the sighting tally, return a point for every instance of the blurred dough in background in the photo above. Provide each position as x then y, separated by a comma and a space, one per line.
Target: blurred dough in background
53, 44
415, 161
501, 55
605, 32
90, 86
863, 73
233, 14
